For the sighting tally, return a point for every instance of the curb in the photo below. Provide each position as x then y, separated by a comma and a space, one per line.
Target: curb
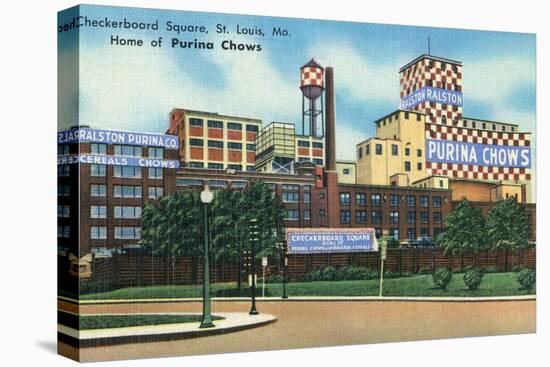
304, 299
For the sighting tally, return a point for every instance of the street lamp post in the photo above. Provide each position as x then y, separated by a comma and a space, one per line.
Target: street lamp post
206, 198
253, 240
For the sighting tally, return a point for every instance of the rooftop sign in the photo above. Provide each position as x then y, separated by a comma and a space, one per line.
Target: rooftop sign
432, 94
86, 135
330, 240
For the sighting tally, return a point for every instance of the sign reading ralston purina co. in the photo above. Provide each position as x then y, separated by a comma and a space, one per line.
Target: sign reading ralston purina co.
197, 151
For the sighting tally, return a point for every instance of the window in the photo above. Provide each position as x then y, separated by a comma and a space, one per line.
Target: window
63, 149
444, 120
63, 211
307, 188
307, 214
234, 126
196, 142
441, 183
378, 232
394, 200
361, 216
63, 190
236, 167
215, 165
217, 184
360, 152
361, 199
188, 182
98, 211
411, 233
346, 171
344, 198
424, 232
250, 169
437, 201
98, 148
317, 144
411, 217
215, 144
251, 147
378, 149
292, 214
394, 217
317, 161
195, 122
155, 173
394, 232
411, 201
291, 187
307, 197
303, 143
63, 231
407, 151
345, 216
252, 128
419, 152
99, 170
375, 199
367, 151
303, 159
494, 127
321, 196
98, 233
394, 149
155, 152
215, 124
124, 191
98, 190
196, 165
63, 171
128, 150
424, 201
424, 218
127, 212
290, 197
437, 217
155, 192
321, 212
407, 166
376, 217
127, 233
237, 146
127, 171
419, 166
406, 115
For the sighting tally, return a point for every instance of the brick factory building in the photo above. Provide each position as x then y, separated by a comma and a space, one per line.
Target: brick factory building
105, 180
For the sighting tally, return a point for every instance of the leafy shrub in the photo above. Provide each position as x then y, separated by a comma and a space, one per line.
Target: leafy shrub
343, 273
490, 270
442, 277
527, 278
275, 278
424, 271
517, 268
391, 274
472, 279
328, 273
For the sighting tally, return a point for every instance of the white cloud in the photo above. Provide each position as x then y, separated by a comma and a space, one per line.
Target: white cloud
361, 78
135, 88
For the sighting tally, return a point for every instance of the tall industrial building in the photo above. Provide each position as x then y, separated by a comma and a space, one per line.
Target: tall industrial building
429, 137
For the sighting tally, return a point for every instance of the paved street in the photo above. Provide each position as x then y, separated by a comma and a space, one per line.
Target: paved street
329, 323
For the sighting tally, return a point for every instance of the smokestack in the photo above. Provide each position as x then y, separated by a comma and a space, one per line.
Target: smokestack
330, 137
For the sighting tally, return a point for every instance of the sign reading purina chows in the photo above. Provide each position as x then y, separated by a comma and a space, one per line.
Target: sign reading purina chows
330, 240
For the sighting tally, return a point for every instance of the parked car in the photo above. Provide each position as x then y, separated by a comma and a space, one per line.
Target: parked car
424, 242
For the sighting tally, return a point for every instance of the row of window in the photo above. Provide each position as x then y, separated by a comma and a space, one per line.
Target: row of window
219, 144
100, 170
126, 191
127, 150
473, 124
216, 124
394, 199
316, 161
376, 217
294, 215
306, 144
394, 150
294, 197
120, 233
119, 212
219, 166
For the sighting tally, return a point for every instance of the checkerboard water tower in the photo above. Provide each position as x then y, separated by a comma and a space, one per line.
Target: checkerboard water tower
312, 86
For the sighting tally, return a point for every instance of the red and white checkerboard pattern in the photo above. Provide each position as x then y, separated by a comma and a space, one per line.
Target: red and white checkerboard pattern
311, 76
441, 75
441, 132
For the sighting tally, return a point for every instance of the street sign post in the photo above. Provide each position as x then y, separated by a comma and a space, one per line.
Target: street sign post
383, 249
264, 264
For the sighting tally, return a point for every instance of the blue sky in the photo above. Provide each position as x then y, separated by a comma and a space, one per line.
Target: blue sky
135, 88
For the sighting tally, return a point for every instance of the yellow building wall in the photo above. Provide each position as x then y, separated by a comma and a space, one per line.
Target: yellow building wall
349, 178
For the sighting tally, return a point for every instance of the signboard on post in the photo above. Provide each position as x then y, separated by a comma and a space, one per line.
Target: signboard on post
330, 240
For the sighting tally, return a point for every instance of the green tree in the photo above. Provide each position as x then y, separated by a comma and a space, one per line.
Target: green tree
508, 227
464, 230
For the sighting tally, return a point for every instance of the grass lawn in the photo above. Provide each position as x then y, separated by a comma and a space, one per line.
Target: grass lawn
115, 321
495, 284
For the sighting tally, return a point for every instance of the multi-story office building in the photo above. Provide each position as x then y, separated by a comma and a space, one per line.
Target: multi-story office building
214, 141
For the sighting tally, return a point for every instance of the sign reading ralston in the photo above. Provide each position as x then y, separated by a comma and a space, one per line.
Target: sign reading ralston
330, 240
